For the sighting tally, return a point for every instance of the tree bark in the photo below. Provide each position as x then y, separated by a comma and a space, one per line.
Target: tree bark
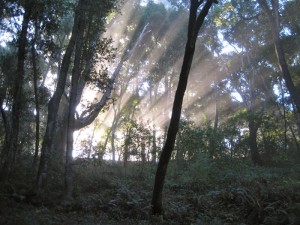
195, 23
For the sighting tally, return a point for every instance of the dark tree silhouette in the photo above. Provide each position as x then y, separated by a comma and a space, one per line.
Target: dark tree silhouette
12, 137
195, 22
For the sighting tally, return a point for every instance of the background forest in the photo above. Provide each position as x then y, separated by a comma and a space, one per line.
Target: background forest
86, 96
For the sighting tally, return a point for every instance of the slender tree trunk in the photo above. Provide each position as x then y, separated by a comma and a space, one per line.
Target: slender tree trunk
284, 114
115, 122
113, 130
106, 141
253, 119
90, 147
11, 142
143, 152
154, 146
6, 129
36, 98
152, 102
212, 145
195, 23
74, 101
126, 148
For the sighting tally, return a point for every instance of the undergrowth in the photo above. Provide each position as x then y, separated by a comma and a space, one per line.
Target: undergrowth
203, 191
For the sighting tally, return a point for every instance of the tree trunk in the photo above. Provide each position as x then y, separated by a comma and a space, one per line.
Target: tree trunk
195, 22
53, 107
74, 101
284, 115
113, 130
126, 148
154, 146
11, 142
6, 127
36, 98
143, 152
253, 128
59, 142
212, 144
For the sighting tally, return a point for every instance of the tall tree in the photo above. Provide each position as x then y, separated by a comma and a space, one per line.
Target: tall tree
88, 49
11, 142
53, 107
272, 12
195, 22
36, 95
73, 102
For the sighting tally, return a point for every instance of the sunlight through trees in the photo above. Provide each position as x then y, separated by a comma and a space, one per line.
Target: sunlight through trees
128, 87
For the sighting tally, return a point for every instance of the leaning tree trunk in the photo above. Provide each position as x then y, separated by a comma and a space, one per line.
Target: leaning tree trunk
195, 23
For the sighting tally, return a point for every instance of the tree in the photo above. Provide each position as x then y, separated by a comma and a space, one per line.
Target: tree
7, 61
11, 141
73, 102
53, 107
88, 50
247, 30
195, 22
272, 13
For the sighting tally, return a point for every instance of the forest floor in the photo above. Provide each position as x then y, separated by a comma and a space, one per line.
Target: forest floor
205, 192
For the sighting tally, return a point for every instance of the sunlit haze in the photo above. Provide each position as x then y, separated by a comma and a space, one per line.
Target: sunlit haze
155, 105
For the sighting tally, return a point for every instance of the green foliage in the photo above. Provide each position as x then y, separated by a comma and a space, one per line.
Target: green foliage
224, 14
193, 140
206, 191
199, 172
190, 141
138, 140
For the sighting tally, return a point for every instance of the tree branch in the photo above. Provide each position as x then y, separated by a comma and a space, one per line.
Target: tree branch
87, 120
